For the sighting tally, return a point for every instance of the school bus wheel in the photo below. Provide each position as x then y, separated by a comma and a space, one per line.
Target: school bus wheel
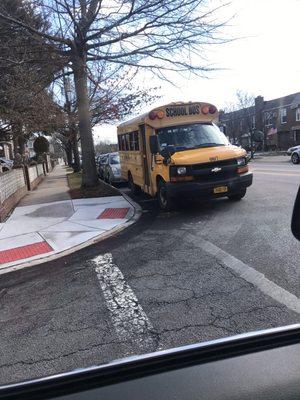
135, 189
166, 203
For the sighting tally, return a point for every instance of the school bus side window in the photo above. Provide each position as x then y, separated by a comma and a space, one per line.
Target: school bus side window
123, 142
135, 136
131, 143
127, 145
120, 142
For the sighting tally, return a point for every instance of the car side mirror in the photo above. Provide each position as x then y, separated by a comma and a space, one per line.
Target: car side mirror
296, 217
154, 145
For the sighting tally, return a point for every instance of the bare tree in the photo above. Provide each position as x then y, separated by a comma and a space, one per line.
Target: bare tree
25, 104
111, 98
155, 35
105, 146
241, 119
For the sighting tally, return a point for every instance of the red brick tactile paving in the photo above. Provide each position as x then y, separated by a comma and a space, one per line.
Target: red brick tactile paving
18, 253
113, 213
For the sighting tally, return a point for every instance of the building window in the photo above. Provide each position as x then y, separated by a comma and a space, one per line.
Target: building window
269, 118
283, 118
298, 114
253, 122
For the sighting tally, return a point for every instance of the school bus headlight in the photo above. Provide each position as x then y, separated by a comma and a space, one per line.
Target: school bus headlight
241, 161
181, 170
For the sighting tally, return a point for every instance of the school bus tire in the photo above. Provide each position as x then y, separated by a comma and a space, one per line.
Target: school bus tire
165, 202
135, 189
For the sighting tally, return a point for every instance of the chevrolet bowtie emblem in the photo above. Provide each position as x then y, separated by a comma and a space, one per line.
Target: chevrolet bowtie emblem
216, 169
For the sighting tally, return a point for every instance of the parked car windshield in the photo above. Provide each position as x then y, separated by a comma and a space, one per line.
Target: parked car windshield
103, 159
114, 159
192, 136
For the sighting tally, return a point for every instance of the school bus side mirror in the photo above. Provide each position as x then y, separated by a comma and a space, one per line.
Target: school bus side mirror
167, 152
154, 146
296, 217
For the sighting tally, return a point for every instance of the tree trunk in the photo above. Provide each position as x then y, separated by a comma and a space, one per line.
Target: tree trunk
76, 165
89, 172
16, 144
68, 150
17, 137
21, 144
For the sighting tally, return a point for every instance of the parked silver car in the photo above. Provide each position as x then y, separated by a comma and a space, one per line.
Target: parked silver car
112, 169
294, 152
6, 164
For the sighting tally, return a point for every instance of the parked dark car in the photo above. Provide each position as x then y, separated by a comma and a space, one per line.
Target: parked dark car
102, 161
6, 164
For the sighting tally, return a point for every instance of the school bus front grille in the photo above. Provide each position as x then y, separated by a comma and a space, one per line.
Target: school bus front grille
214, 171
221, 163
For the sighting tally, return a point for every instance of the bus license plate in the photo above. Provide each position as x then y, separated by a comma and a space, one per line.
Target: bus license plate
221, 189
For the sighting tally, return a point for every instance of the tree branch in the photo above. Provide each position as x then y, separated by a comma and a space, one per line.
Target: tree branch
30, 29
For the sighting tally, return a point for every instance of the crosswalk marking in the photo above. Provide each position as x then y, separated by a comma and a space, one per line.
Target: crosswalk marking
128, 317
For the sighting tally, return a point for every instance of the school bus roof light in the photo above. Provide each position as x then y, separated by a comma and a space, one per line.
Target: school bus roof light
152, 115
205, 110
212, 109
160, 114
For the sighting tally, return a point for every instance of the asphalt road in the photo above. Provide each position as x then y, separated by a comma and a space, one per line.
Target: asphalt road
202, 272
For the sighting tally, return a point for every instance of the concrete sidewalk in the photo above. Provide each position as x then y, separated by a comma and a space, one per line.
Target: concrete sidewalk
48, 224
53, 188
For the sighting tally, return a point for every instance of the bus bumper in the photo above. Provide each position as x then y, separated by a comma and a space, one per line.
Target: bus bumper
206, 189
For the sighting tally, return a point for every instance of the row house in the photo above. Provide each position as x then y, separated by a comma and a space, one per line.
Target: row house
276, 122
6, 149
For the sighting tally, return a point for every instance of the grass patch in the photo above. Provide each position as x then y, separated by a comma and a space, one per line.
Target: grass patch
101, 189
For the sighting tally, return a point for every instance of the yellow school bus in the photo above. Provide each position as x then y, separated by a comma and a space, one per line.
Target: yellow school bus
177, 150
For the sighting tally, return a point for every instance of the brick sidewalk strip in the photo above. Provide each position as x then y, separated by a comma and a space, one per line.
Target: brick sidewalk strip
27, 251
113, 213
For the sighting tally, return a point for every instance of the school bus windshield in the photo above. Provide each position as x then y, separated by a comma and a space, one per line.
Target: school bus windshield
191, 136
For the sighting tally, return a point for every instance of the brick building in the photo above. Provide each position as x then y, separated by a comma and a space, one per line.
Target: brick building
278, 120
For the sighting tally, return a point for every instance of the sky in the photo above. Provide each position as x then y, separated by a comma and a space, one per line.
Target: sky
262, 60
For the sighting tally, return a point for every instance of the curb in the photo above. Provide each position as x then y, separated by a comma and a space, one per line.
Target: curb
137, 214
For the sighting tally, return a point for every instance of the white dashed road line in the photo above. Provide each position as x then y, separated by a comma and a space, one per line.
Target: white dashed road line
296, 174
248, 273
128, 317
